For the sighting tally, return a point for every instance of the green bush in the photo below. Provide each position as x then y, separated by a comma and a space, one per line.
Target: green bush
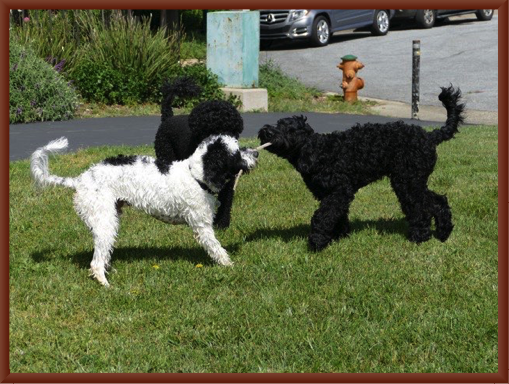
51, 35
209, 83
192, 19
115, 60
127, 62
37, 92
101, 83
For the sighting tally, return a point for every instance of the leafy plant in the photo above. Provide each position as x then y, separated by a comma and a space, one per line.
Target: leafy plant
209, 83
124, 60
128, 62
51, 35
37, 91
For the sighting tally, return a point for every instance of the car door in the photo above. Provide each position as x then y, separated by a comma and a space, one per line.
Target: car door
352, 18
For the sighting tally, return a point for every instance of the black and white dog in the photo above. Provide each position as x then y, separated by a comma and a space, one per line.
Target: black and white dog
183, 194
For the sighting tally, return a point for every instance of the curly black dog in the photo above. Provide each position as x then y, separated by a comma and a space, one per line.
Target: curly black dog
334, 166
178, 136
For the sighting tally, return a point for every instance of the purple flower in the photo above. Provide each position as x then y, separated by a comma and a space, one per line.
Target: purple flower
59, 66
14, 67
19, 111
33, 103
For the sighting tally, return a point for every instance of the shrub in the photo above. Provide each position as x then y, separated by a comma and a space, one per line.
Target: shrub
209, 83
192, 19
127, 62
101, 83
51, 35
37, 92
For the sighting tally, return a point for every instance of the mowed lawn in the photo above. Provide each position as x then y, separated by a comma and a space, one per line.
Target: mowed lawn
373, 302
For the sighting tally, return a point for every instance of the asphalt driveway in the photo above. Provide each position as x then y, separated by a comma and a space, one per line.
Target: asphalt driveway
25, 138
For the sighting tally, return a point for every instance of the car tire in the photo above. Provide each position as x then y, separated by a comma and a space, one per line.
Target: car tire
381, 23
484, 14
320, 34
426, 18
265, 44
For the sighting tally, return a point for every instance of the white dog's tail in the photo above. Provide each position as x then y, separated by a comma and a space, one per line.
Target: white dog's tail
39, 166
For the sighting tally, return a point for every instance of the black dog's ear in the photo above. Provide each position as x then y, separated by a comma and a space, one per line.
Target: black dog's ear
301, 119
301, 122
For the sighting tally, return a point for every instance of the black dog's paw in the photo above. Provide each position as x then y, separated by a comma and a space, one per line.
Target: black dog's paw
444, 232
419, 236
318, 242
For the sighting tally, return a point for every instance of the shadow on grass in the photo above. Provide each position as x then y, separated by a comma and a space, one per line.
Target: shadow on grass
384, 226
195, 255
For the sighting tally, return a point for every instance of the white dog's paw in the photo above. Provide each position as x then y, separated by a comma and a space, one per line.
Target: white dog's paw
100, 277
225, 262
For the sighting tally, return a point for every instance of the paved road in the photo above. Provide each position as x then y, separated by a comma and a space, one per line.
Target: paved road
25, 138
463, 52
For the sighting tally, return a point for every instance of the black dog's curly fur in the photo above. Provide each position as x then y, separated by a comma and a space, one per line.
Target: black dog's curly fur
334, 166
179, 136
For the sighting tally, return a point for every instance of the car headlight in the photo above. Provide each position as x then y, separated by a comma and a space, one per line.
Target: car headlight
297, 14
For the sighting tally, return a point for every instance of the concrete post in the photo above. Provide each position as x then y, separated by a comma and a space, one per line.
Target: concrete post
233, 48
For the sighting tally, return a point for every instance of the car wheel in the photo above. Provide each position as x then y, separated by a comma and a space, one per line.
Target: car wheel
381, 23
320, 35
484, 14
265, 44
426, 18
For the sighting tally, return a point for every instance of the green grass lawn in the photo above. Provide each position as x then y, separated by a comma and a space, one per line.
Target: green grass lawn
371, 303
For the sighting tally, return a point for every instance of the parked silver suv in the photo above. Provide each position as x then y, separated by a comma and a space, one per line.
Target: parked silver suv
318, 25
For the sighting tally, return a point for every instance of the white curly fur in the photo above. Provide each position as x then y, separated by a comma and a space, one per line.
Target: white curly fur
173, 197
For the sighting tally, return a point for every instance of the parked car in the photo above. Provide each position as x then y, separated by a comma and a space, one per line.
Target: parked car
318, 25
426, 18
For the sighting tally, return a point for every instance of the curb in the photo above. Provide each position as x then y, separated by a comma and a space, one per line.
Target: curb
400, 110
428, 112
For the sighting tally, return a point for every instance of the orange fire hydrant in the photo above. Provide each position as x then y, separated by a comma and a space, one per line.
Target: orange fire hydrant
351, 83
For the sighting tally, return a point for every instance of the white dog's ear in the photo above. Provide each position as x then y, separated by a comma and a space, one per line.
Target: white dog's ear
220, 162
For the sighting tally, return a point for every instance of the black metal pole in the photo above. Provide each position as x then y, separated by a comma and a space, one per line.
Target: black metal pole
416, 67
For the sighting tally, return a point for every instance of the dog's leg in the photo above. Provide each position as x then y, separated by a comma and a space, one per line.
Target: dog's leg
207, 239
99, 212
200, 217
330, 220
414, 201
223, 215
442, 215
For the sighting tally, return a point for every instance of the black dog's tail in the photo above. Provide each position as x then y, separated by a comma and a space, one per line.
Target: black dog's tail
182, 87
450, 99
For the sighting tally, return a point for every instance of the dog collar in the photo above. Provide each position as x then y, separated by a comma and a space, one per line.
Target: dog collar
204, 186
